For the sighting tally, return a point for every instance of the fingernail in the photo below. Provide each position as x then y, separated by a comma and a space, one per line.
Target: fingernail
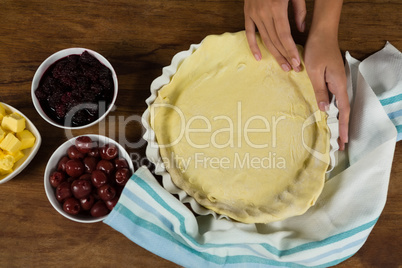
342, 147
297, 69
295, 62
285, 67
257, 57
324, 106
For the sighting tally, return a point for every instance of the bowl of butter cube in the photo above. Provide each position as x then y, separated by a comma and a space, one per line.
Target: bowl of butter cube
19, 142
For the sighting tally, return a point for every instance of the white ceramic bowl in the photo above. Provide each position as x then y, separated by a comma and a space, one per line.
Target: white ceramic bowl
52, 165
52, 59
29, 153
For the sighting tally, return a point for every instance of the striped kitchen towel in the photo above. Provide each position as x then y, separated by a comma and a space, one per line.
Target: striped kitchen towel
331, 231
383, 72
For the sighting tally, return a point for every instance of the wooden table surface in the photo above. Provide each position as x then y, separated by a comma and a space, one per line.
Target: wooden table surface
139, 37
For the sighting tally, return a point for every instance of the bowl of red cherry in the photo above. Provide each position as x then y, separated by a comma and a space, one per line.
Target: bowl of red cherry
85, 176
74, 88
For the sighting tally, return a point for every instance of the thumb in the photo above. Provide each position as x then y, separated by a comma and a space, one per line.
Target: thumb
299, 9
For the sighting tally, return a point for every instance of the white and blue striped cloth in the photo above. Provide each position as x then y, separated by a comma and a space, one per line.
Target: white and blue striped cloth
331, 231
387, 82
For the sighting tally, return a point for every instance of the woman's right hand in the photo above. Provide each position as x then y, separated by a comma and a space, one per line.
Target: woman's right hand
270, 17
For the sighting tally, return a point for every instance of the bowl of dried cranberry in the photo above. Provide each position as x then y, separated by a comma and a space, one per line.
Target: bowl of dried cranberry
85, 176
74, 88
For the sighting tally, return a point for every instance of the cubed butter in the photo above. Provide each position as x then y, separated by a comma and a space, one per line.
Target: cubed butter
13, 122
6, 164
5, 172
10, 143
17, 155
27, 139
2, 134
2, 110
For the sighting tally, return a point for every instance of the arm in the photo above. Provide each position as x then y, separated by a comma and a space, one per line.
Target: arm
324, 62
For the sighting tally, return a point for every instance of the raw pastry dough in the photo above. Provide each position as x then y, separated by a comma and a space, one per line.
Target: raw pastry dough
239, 135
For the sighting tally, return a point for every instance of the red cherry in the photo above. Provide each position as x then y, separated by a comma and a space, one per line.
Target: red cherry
63, 191
73, 153
106, 192
98, 178
84, 144
122, 175
99, 209
89, 164
61, 166
71, 206
112, 203
94, 152
81, 188
120, 163
106, 166
56, 178
108, 152
74, 168
87, 202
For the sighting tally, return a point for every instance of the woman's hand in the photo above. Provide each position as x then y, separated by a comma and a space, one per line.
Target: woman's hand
270, 17
324, 63
326, 70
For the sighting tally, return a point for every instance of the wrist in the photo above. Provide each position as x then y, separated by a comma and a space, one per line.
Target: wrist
326, 18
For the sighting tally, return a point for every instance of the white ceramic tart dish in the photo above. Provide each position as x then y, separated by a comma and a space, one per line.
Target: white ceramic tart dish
236, 137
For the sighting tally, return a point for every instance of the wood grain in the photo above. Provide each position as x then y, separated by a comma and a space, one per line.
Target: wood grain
139, 38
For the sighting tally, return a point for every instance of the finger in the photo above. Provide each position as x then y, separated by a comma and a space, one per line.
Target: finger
344, 112
279, 51
273, 36
317, 78
299, 9
287, 46
341, 144
272, 49
284, 40
251, 38
337, 85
